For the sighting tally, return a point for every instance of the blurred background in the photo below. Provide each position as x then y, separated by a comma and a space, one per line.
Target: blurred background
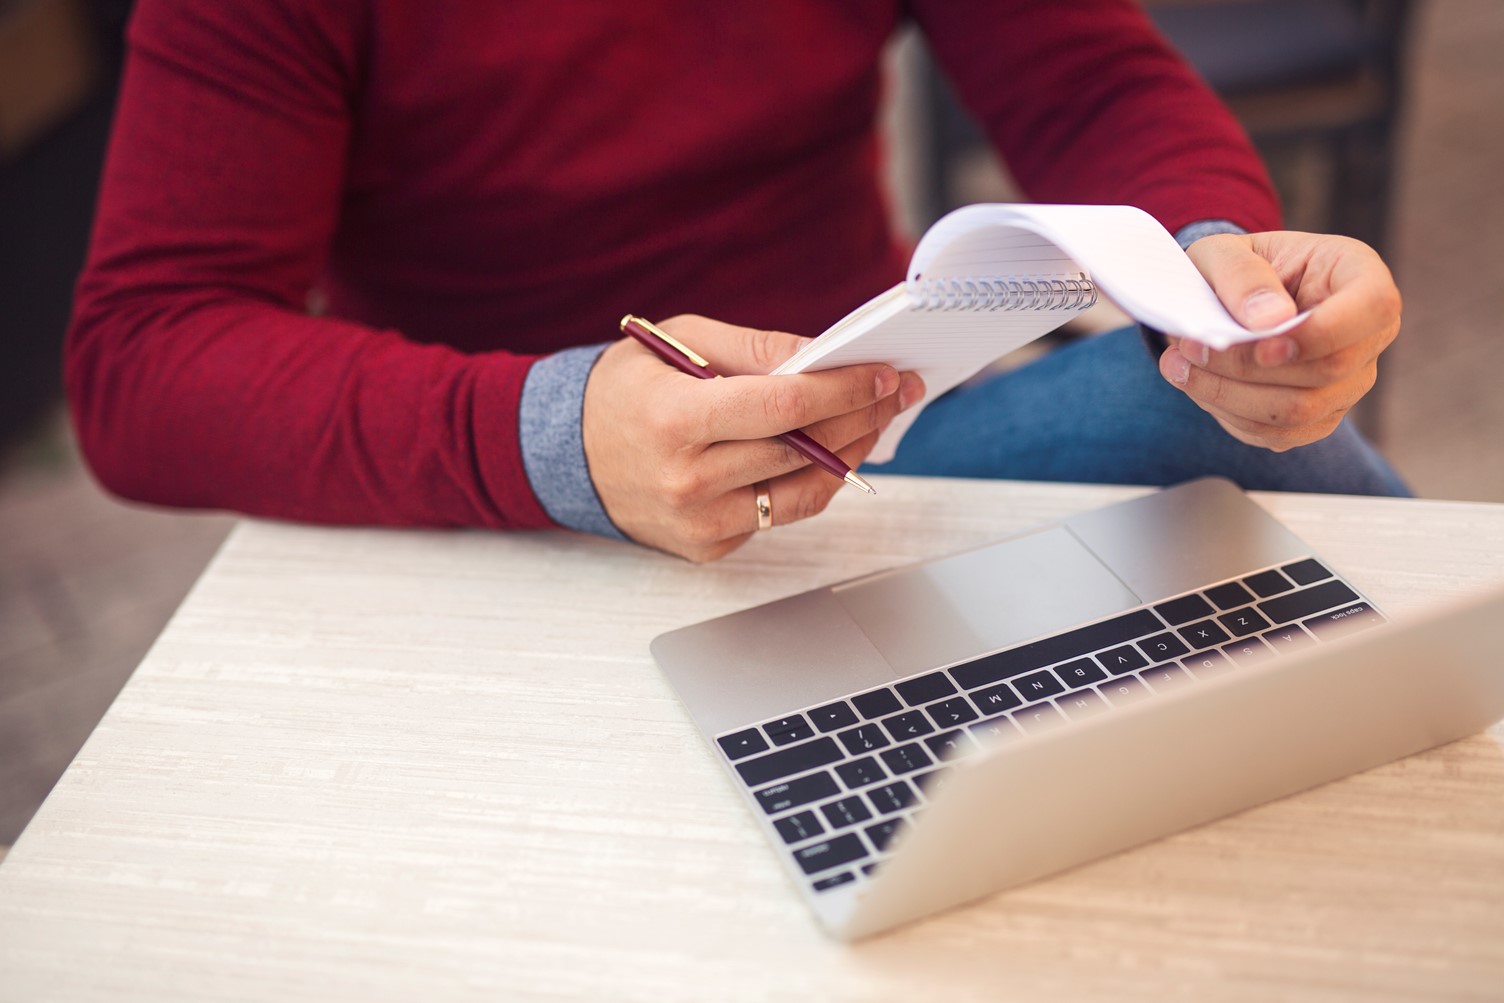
1380, 119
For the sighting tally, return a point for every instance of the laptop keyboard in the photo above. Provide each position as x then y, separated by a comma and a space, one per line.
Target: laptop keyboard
837, 781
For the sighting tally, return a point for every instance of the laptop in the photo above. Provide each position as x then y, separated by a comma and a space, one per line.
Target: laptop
923, 737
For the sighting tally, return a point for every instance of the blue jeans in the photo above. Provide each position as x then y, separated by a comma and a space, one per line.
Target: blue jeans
1097, 411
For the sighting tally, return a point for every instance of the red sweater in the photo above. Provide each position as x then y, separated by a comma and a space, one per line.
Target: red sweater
469, 185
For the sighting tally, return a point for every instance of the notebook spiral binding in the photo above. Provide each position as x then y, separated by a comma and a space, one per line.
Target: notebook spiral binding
1040, 293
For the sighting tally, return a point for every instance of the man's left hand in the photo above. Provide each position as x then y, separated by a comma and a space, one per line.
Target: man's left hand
1294, 388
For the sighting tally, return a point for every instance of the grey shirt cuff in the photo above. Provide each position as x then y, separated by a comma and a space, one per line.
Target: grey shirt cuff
1192, 232
549, 432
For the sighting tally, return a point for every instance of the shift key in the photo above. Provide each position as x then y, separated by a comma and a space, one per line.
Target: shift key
1307, 602
788, 761
831, 853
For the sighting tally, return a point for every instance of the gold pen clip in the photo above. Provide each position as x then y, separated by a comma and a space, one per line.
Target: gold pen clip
689, 353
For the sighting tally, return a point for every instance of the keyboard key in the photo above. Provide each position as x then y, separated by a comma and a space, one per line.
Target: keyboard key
861, 772
1207, 663
994, 699
882, 833
867, 869
949, 713
1229, 596
834, 881
831, 853
1060, 648
1203, 634
1037, 685
1038, 717
1164, 677
1268, 583
863, 738
1121, 660
1306, 572
788, 730
929, 783
950, 745
1183, 610
788, 761
742, 744
891, 797
793, 722
906, 758
1307, 602
1124, 690
847, 811
1162, 646
782, 797
924, 689
833, 716
1288, 639
798, 827
1081, 672
877, 703
910, 724
997, 729
1344, 621
1081, 704
1248, 651
1241, 623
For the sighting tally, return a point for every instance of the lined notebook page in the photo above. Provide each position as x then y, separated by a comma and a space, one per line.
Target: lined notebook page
945, 347
971, 341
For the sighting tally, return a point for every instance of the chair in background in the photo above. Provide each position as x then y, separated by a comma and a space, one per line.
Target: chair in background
59, 65
1317, 84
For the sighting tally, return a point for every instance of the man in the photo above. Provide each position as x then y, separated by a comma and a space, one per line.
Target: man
475, 192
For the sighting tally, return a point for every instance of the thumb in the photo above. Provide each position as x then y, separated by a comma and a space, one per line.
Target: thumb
1245, 282
733, 350
749, 351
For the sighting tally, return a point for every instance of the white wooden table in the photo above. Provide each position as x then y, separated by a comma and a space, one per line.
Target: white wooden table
374, 765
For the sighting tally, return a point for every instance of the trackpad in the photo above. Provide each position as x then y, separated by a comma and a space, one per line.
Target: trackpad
969, 604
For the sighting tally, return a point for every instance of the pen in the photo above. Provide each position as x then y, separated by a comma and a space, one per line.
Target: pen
686, 360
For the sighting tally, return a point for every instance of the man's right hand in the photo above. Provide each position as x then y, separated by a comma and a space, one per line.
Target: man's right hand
674, 458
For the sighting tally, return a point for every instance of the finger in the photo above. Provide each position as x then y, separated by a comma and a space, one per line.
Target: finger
1243, 280
759, 407
1345, 284
1241, 362
1364, 305
1272, 437
797, 496
732, 350
708, 531
734, 408
1277, 407
760, 459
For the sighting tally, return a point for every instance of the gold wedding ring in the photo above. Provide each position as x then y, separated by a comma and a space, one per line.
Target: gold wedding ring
764, 506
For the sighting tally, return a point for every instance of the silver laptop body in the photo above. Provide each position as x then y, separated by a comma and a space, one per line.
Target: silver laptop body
926, 736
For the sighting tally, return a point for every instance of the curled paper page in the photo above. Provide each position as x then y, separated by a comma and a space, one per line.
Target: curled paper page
1126, 252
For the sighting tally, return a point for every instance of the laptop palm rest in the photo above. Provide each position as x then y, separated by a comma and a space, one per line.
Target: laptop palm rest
1001, 595
831, 642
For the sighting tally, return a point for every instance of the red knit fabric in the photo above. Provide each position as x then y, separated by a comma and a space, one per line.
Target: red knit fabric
470, 184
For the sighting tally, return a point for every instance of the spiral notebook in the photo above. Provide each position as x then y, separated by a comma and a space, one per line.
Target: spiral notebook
987, 279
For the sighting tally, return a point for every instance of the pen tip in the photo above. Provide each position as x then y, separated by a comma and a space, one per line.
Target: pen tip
854, 478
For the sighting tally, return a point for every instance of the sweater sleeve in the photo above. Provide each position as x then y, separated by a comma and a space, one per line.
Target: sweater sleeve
1087, 102
196, 375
